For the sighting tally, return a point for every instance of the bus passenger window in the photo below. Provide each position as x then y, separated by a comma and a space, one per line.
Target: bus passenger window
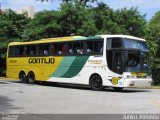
62, 48
28, 50
25, 50
33, 50
46, 49
54, 49
76, 47
98, 47
89, 47
114, 43
11, 51
21, 50
70, 49
40, 49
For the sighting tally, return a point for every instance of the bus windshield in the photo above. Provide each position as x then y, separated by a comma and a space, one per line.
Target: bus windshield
137, 62
120, 61
133, 62
130, 43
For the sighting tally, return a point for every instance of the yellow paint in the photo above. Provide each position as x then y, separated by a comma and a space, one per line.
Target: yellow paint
42, 71
137, 74
115, 80
95, 61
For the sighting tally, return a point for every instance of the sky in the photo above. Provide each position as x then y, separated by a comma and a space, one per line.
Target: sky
148, 7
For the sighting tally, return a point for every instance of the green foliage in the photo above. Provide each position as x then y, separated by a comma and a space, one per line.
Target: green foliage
153, 39
12, 26
131, 22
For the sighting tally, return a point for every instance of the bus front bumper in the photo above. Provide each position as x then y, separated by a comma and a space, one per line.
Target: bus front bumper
137, 82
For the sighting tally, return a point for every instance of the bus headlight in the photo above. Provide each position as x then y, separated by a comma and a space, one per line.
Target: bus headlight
130, 76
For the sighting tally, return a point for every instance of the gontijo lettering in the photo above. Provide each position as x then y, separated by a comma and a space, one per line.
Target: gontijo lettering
41, 60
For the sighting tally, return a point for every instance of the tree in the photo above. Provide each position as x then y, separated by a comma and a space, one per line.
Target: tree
153, 39
130, 21
12, 26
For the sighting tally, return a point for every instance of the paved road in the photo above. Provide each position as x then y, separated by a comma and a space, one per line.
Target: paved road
63, 99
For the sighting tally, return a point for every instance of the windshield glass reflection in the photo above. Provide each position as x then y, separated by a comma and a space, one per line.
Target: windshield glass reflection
134, 63
130, 43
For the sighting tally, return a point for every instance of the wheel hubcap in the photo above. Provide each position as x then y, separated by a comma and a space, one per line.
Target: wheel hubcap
97, 83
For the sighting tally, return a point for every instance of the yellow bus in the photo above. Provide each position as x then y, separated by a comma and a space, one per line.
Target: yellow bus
117, 61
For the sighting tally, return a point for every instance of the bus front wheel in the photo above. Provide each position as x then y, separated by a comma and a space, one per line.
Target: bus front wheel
31, 78
22, 77
96, 83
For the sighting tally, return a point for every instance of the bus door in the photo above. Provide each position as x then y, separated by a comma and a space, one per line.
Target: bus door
118, 62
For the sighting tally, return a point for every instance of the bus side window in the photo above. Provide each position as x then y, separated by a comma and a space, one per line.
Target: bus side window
60, 49
109, 43
114, 43
78, 47
21, 50
40, 49
33, 50
46, 49
98, 47
11, 51
70, 48
63, 48
28, 50
117, 43
89, 47
25, 51
54, 48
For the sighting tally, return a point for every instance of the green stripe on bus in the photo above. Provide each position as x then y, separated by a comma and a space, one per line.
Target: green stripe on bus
76, 66
64, 66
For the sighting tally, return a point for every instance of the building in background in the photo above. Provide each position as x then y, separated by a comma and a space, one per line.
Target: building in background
29, 11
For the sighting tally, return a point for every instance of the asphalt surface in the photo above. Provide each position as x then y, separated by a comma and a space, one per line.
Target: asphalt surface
23, 98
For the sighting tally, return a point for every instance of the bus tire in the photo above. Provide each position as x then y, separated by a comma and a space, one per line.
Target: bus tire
118, 89
22, 77
96, 83
31, 78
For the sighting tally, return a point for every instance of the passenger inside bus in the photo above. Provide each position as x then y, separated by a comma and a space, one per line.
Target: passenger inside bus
70, 51
52, 49
45, 52
88, 50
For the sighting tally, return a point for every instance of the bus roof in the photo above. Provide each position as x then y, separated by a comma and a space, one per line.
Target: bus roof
74, 38
122, 36
58, 39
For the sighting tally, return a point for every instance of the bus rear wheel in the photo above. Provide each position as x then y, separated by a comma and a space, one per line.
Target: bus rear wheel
31, 78
22, 77
96, 83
